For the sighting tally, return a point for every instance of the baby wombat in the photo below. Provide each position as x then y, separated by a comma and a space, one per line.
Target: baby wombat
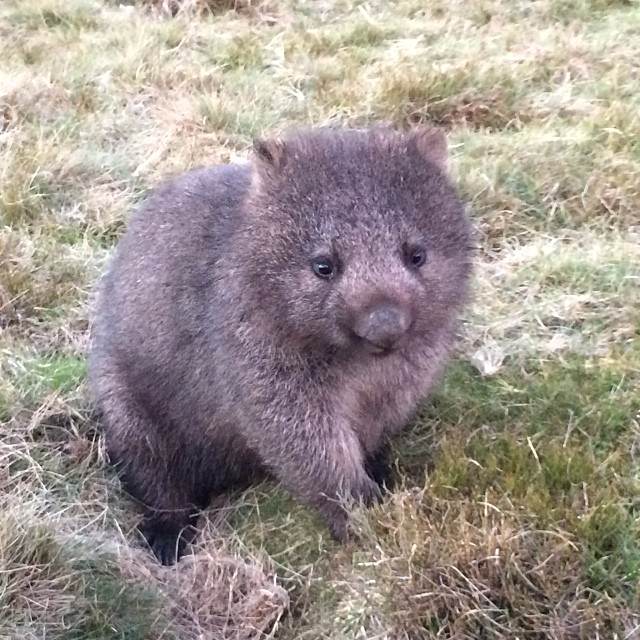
284, 316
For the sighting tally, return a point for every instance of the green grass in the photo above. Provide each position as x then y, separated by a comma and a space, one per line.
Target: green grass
517, 512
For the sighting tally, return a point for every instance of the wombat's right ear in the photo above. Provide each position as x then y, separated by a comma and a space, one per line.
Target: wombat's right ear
270, 154
431, 144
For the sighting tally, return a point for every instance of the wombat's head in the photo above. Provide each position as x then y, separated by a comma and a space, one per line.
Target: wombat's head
357, 239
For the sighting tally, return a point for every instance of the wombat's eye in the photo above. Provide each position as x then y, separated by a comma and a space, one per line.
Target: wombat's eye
323, 268
417, 256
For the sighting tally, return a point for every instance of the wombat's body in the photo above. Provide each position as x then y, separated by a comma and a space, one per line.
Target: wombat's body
284, 316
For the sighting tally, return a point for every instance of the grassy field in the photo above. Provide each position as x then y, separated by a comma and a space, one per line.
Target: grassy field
518, 510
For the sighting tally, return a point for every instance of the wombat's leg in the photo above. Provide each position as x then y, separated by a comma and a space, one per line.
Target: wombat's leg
156, 469
168, 537
170, 509
170, 504
334, 510
324, 467
378, 466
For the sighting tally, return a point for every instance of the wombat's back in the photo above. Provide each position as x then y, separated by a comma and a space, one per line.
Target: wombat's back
151, 300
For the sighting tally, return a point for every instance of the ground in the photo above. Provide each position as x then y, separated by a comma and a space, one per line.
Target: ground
517, 513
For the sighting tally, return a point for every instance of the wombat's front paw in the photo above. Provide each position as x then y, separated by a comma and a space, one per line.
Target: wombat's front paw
367, 491
167, 546
339, 526
378, 468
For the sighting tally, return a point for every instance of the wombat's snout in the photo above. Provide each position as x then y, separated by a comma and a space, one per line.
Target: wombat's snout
382, 326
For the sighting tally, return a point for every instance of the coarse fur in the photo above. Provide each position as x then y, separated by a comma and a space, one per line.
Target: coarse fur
218, 355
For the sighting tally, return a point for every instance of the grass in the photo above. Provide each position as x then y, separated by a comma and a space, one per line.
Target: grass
517, 512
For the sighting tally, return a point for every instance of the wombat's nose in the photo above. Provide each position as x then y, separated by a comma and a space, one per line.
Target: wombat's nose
382, 326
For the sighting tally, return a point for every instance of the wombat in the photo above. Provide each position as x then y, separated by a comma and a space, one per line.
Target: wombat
282, 317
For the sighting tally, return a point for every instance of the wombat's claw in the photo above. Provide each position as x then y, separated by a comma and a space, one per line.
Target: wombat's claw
338, 528
379, 470
369, 493
167, 547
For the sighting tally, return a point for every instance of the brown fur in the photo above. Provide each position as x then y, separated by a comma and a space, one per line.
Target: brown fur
218, 354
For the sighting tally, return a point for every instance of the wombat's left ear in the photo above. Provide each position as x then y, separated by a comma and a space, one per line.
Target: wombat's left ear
270, 154
431, 144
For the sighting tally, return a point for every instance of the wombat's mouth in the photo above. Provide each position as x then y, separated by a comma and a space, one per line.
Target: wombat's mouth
377, 349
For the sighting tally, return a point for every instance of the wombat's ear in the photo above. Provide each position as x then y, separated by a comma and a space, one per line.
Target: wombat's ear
271, 154
431, 144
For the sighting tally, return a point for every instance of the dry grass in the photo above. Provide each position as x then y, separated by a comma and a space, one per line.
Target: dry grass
517, 511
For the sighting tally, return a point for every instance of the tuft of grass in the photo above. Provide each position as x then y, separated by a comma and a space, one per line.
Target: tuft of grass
40, 276
49, 587
55, 15
200, 7
54, 373
612, 535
